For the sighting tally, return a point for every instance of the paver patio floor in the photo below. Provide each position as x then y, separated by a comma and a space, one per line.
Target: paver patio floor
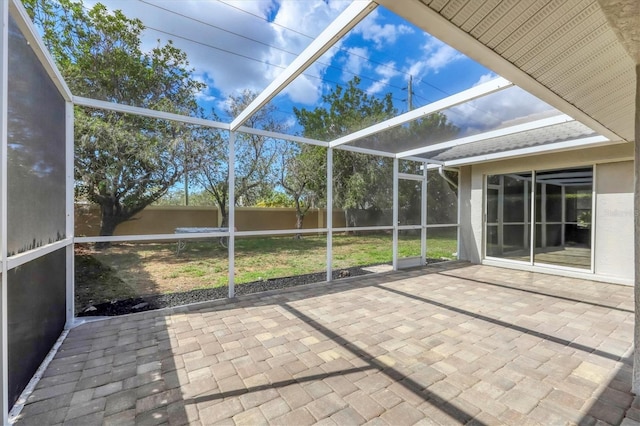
456, 343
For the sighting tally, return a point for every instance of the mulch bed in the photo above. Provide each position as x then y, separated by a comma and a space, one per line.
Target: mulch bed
151, 302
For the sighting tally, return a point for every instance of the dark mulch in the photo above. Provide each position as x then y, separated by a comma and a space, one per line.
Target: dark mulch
151, 302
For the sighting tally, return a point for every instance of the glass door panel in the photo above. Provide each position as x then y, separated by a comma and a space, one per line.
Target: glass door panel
564, 201
411, 235
508, 214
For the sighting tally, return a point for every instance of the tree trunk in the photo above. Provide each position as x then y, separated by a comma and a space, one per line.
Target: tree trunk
225, 217
299, 221
108, 225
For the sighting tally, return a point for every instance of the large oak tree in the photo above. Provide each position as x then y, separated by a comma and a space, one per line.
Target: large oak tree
123, 162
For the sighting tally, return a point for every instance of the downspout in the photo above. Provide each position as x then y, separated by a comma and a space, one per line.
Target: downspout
441, 170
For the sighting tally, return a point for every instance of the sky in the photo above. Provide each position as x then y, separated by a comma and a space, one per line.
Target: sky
235, 45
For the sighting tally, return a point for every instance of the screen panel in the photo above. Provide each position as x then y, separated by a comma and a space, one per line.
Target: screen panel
36, 151
36, 315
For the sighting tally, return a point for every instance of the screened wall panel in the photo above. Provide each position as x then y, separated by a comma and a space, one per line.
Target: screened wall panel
442, 197
36, 151
361, 252
363, 189
137, 175
36, 315
137, 276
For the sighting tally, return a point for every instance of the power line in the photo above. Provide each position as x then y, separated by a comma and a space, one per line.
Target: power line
382, 64
263, 43
317, 77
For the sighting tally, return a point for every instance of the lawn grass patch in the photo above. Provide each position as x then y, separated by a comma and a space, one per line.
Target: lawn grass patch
143, 268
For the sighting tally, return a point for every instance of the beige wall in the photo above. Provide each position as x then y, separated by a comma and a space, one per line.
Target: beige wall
614, 220
165, 219
613, 245
468, 249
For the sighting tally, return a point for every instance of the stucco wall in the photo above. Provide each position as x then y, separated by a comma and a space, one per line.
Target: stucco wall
165, 219
614, 220
468, 249
613, 245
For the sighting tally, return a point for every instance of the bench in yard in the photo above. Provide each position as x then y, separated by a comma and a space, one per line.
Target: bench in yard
182, 244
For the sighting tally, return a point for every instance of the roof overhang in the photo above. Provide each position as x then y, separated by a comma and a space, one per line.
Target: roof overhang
565, 53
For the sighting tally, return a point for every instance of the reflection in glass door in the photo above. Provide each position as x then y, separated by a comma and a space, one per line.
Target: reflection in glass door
564, 201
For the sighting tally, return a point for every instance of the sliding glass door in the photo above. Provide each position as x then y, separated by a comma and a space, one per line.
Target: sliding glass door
508, 216
561, 202
564, 200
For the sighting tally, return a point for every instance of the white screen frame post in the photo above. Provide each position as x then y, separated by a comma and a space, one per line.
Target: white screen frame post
70, 218
4, 67
395, 214
232, 214
329, 210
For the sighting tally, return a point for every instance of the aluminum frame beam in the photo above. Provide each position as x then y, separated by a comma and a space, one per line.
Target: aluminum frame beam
448, 102
591, 141
348, 19
519, 128
146, 112
162, 115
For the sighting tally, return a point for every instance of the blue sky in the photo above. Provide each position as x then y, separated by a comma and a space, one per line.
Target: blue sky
245, 44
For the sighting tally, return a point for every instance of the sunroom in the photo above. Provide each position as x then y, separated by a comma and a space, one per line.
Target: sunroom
545, 187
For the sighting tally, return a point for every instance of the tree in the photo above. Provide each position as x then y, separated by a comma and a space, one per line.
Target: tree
255, 157
303, 177
359, 180
362, 182
123, 162
275, 199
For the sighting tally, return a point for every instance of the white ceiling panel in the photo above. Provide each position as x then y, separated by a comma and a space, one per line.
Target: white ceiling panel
568, 47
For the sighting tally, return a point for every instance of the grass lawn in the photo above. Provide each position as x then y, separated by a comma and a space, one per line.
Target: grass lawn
129, 269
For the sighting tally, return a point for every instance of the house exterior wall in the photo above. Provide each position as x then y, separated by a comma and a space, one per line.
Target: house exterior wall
614, 220
613, 242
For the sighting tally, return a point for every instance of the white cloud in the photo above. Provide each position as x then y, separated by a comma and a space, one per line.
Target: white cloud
485, 78
386, 72
205, 94
304, 90
356, 61
222, 59
433, 57
501, 109
380, 34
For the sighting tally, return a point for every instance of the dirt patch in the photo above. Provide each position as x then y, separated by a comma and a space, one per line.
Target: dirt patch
95, 281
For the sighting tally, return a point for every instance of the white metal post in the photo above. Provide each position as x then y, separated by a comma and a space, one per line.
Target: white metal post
563, 212
525, 219
458, 215
395, 214
329, 214
501, 215
532, 250
70, 220
4, 353
594, 196
543, 215
232, 213
635, 380
423, 217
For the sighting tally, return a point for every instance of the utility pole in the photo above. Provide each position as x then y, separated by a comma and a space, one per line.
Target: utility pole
410, 93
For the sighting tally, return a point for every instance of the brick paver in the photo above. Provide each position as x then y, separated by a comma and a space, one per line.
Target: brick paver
454, 343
